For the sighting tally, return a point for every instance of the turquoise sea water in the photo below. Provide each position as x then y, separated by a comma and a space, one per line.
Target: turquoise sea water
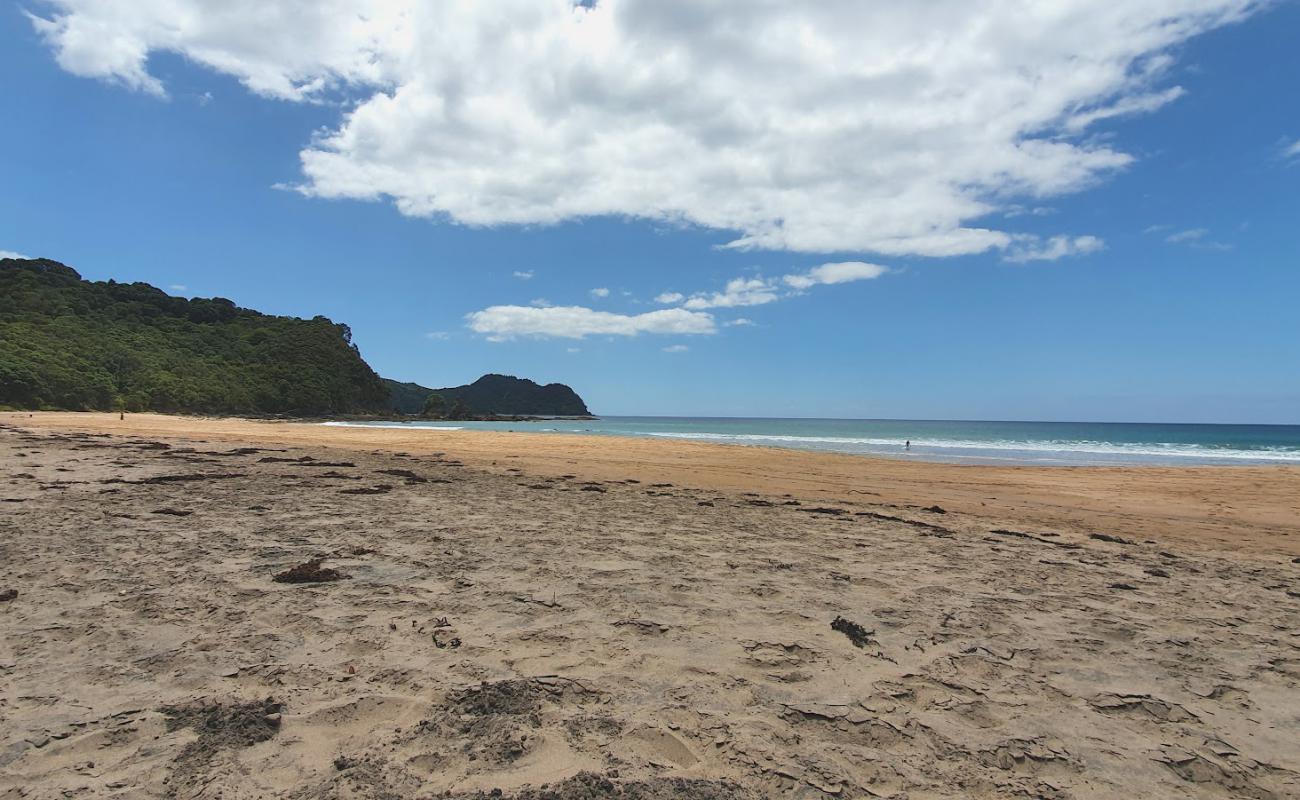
1038, 443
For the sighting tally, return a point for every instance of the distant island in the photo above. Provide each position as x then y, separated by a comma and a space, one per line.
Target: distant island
71, 344
489, 396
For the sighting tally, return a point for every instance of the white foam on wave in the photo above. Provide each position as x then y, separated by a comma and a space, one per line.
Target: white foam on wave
399, 425
1150, 449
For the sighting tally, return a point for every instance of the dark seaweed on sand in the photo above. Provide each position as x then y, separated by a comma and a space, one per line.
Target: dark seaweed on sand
309, 572
858, 635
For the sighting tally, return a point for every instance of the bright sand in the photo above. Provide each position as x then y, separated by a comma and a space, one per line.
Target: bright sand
517, 613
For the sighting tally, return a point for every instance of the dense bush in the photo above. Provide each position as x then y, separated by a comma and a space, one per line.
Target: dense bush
67, 343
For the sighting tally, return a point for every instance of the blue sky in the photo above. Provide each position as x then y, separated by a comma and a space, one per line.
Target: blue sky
1164, 288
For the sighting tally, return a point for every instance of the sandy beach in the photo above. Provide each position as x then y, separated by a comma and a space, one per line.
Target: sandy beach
540, 615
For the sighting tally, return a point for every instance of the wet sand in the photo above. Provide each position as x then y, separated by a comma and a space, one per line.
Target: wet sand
520, 610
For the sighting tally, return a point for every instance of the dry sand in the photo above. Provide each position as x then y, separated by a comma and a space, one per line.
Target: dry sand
514, 612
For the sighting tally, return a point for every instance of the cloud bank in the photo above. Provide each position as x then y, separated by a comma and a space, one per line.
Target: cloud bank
842, 125
541, 320
500, 323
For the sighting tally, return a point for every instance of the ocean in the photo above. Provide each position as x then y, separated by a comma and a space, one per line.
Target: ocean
1028, 443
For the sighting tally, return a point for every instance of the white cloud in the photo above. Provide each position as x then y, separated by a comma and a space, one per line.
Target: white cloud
575, 322
668, 298
1196, 237
842, 125
1124, 106
1031, 248
11, 254
738, 292
178, 287
839, 272
739, 322
1291, 150
676, 348
523, 275
1189, 235
600, 292
437, 336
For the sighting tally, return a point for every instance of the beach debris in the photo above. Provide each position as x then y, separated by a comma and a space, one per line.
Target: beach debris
451, 643
8, 594
936, 510
1106, 537
822, 510
540, 486
1156, 572
1128, 587
593, 785
279, 460
492, 721
172, 512
344, 762
858, 635
1032, 537
224, 727
759, 503
354, 550
309, 572
315, 464
937, 530
591, 487
708, 503
410, 476
643, 625
380, 488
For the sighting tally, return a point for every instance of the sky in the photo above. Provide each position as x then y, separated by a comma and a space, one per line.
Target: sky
950, 210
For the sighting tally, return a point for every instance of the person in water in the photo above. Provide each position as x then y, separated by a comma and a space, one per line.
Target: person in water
908, 446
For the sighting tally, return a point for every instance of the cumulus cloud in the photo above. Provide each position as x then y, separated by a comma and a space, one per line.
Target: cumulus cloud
576, 322
11, 254
668, 298
842, 125
738, 292
600, 292
1031, 248
839, 272
739, 322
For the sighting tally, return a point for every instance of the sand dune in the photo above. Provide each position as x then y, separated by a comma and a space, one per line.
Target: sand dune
519, 611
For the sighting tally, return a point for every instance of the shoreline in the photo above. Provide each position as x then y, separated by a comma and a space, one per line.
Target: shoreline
1229, 507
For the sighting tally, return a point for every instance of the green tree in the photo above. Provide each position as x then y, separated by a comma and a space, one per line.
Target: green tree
435, 406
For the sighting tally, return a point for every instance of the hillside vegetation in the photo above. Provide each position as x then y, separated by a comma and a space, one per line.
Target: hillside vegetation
491, 395
67, 343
